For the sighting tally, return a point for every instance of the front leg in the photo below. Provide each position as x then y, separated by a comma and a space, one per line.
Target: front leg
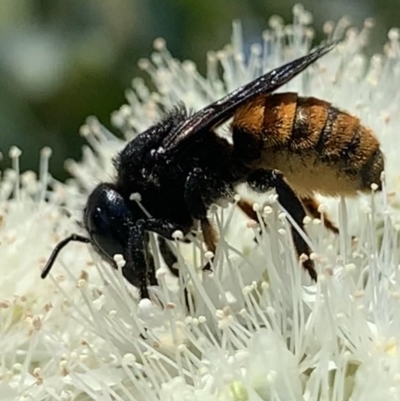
263, 180
137, 269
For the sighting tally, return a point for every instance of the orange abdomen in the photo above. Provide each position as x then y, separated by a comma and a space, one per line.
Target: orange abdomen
315, 145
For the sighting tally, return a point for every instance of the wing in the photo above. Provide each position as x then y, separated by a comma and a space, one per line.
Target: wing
220, 111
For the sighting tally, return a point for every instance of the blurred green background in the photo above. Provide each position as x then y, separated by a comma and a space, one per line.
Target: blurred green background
61, 61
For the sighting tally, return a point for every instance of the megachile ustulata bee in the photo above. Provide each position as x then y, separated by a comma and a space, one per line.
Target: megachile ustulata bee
180, 166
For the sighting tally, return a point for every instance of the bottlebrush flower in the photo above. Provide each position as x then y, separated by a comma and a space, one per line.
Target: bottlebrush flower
256, 328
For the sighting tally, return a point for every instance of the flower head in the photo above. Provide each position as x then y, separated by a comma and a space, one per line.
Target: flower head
254, 329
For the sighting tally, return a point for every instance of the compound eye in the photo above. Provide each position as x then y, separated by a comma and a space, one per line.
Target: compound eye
107, 219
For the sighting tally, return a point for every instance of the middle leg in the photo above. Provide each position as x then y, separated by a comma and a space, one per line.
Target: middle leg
311, 204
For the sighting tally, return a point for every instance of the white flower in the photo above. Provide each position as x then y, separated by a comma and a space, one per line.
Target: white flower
257, 329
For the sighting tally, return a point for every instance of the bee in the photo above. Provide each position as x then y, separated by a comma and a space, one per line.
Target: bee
180, 167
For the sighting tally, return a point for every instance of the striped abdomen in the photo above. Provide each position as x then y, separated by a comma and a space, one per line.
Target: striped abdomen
316, 146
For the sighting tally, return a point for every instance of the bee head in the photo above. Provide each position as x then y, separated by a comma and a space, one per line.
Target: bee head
108, 219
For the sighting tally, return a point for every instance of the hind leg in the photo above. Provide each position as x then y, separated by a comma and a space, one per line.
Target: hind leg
262, 180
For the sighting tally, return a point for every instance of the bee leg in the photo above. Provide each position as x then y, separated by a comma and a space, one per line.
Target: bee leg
246, 207
170, 260
151, 273
168, 255
201, 189
311, 204
263, 180
210, 237
137, 270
